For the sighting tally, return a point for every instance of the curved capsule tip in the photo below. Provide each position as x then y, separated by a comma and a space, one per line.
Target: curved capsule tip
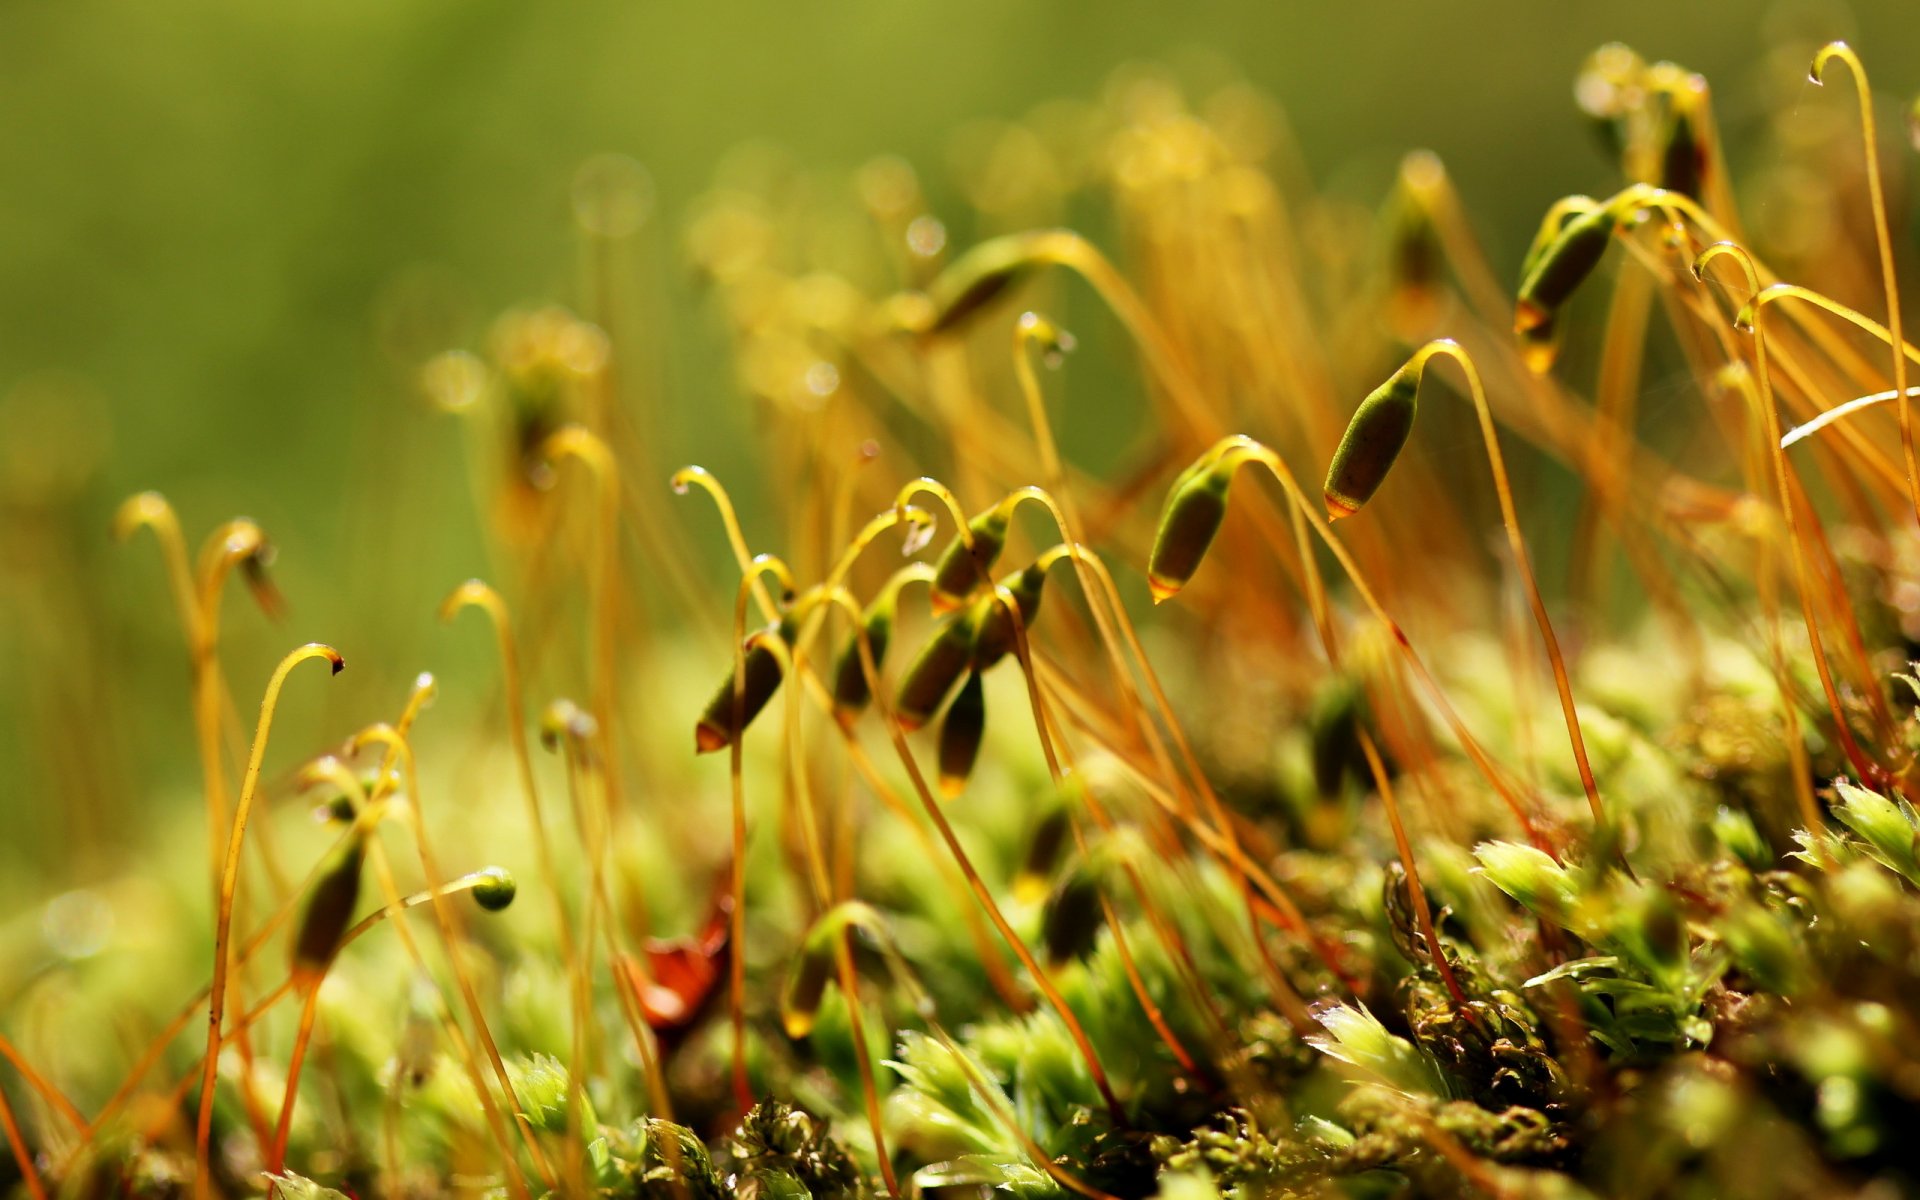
708, 737
1339, 507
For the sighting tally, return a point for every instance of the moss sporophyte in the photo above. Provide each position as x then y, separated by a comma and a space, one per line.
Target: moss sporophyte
1317, 845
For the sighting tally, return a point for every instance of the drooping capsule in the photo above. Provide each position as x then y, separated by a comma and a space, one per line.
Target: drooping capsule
1334, 721
808, 978
1415, 259
1374, 436
329, 910
934, 672
993, 627
1073, 913
960, 736
1562, 266
1558, 216
851, 694
977, 278
1607, 88
1686, 153
1048, 844
959, 572
1196, 507
763, 672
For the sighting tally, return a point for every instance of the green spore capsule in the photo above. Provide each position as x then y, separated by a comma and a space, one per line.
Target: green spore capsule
1046, 848
1374, 436
935, 671
1684, 152
850, 692
1559, 215
1334, 721
1072, 916
959, 572
960, 736
972, 282
807, 980
329, 910
763, 673
1415, 256
496, 889
1196, 508
1563, 266
993, 628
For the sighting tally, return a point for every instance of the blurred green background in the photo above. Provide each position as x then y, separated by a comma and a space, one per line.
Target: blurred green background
221, 224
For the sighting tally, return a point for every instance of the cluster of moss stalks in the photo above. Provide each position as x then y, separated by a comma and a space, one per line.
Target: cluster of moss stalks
1347, 871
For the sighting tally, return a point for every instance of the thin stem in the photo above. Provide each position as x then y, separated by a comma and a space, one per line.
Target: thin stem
1254, 451
1416, 894
576, 441
372, 809
43, 1087
1883, 237
476, 593
277, 1155
1838, 412
21, 1154
765, 564
855, 913
691, 476
897, 733
1053, 749
1524, 564
869, 1091
1751, 318
223, 927
395, 741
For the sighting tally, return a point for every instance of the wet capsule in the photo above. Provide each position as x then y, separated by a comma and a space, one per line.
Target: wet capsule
1196, 507
935, 671
716, 728
960, 735
329, 910
958, 573
1374, 436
